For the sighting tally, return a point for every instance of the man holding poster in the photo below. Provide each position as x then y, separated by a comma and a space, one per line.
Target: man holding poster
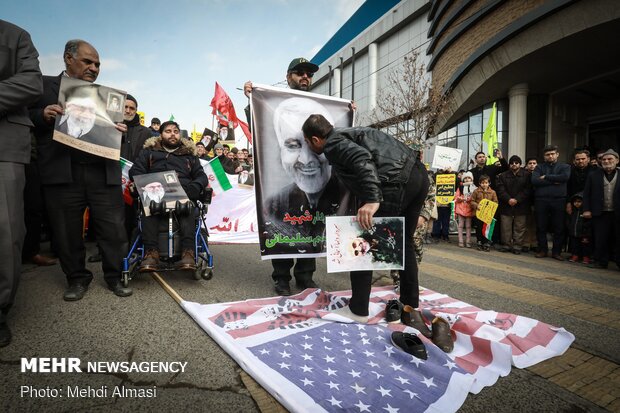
294, 188
73, 179
389, 180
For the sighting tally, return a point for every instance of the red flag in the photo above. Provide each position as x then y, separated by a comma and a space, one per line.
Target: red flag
225, 111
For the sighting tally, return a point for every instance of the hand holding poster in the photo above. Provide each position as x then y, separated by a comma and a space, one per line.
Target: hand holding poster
351, 248
445, 158
445, 186
295, 189
486, 211
90, 114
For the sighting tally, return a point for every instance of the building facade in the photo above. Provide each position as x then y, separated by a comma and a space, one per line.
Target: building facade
550, 66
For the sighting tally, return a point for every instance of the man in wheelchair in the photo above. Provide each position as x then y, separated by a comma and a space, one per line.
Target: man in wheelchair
164, 153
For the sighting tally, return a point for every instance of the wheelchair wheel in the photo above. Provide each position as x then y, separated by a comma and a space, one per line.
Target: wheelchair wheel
125, 278
207, 275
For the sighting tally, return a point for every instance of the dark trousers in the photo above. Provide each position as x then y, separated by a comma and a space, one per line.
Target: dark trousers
151, 228
579, 248
361, 281
441, 226
606, 231
12, 230
34, 211
550, 215
304, 268
66, 204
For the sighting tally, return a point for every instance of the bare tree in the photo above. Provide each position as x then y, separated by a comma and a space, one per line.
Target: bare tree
408, 105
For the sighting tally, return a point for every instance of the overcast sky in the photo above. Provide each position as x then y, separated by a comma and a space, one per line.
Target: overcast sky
170, 54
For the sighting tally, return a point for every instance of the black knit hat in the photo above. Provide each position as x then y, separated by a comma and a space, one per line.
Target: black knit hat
129, 97
515, 158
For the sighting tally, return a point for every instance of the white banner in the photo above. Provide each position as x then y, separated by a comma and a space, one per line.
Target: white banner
231, 216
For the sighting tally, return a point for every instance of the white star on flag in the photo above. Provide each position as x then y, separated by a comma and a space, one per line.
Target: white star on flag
391, 409
307, 382
363, 407
384, 392
358, 388
333, 385
402, 380
306, 369
335, 402
429, 382
330, 372
354, 373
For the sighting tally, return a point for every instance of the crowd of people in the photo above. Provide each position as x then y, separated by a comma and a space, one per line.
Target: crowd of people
578, 203
64, 181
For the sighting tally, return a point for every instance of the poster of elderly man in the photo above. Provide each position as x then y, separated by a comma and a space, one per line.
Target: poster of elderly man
295, 189
159, 187
89, 118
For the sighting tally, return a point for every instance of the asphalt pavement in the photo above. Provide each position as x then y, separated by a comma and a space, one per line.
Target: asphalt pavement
150, 326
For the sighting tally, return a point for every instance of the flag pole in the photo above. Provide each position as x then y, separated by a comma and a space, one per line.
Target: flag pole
167, 288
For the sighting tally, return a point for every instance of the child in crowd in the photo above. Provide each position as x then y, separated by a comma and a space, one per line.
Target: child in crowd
462, 207
579, 231
484, 191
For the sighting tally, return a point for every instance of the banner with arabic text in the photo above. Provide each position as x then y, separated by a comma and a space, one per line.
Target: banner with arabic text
295, 189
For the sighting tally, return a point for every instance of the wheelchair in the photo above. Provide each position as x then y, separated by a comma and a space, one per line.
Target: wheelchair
169, 238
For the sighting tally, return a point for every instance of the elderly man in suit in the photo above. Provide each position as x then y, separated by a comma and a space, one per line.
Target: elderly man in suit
20, 85
73, 180
601, 203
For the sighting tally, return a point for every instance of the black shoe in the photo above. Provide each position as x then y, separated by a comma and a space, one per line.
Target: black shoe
409, 343
516, 252
283, 288
598, 266
5, 335
504, 249
120, 291
95, 258
393, 311
303, 284
75, 292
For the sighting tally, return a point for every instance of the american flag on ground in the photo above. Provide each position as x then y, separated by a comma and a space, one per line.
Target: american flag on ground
310, 362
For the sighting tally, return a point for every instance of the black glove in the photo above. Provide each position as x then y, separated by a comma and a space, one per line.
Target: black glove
193, 191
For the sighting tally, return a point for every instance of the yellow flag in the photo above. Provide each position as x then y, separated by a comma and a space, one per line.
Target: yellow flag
490, 137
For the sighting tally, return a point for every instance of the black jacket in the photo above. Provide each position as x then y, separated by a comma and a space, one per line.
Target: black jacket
134, 139
154, 158
491, 171
514, 186
373, 165
593, 193
577, 180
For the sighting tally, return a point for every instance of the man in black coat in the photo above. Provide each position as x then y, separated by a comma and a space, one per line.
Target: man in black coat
579, 172
20, 85
513, 193
601, 203
73, 180
169, 152
388, 179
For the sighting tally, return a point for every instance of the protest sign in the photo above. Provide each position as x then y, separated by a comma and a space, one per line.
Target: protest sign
445, 184
486, 211
295, 189
445, 158
90, 114
352, 248
159, 187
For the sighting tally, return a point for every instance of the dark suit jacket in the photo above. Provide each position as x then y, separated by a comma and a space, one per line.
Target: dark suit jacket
593, 193
54, 157
20, 85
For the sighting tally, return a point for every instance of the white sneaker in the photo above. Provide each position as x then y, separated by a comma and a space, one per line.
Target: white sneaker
346, 312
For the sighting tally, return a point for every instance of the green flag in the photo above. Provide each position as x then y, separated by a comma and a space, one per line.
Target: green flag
490, 137
171, 117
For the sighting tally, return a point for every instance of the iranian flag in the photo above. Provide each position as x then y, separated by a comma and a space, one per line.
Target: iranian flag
487, 229
217, 176
125, 181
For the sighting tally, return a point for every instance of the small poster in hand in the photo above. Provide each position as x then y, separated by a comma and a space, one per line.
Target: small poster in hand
351, 248
159, 187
